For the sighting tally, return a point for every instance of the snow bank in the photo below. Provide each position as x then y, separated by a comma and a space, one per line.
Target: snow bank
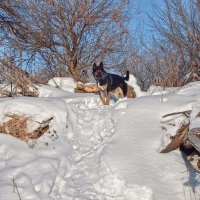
133, 82
50, 91
158, 90
66, 84
97, 152
35, 170
191, 89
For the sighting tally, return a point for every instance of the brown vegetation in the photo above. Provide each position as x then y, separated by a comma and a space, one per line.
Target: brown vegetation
186, 139
86, 88
172, 59
63, 38
21, 81
176, 140
131, 92
17, 127
66, 36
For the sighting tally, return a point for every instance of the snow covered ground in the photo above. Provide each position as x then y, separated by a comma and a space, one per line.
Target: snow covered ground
98, 152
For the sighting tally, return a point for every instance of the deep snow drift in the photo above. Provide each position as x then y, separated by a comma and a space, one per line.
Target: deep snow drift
98, 152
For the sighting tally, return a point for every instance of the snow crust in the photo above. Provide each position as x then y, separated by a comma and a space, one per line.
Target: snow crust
98, 152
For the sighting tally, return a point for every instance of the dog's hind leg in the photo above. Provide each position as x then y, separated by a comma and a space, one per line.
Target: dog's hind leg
118, 93
124, 88
117, 96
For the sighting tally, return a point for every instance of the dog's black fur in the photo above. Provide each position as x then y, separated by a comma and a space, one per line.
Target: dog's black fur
110, 83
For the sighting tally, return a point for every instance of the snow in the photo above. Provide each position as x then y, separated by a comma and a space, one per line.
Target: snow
66, 84
158, 90
98, 152
133, 82
8, 88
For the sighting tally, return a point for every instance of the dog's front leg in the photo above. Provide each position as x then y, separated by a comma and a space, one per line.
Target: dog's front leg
103, 98
107, 99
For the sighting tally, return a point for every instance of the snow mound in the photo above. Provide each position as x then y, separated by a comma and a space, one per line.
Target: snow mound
158, 90
68, 166
98, 152
114, 188
191, 89
66, 84
133, 82
50, 91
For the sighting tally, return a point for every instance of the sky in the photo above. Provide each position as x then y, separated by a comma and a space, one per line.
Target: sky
140, 20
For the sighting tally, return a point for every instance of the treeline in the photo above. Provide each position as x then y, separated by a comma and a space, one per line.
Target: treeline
50, 38
63, 37
173, 58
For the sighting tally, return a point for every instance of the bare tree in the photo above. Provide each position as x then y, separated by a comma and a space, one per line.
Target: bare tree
65, 35
178, 26
174, 52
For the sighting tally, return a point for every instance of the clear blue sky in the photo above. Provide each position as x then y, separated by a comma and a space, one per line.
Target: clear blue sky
141, 10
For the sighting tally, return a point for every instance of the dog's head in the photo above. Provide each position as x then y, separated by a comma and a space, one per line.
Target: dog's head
98, 71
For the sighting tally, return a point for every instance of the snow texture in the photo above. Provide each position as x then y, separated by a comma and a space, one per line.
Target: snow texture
97, 152
66, 84
133, 82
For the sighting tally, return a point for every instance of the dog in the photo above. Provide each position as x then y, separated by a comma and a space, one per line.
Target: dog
111, 84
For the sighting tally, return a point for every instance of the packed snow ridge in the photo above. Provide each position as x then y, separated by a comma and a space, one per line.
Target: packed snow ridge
97, 152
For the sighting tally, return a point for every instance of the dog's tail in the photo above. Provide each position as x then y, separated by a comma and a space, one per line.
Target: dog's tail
126, 78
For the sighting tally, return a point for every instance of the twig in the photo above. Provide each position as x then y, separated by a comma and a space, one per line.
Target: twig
186, 112
16, 188
44, 121
56, 83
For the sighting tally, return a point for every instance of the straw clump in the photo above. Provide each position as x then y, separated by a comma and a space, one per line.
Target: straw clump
17, 126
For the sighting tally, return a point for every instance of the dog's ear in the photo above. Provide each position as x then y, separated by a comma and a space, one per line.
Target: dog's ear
101, 65
94, 66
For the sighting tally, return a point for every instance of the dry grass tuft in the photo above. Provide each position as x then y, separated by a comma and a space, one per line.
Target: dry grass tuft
17, 127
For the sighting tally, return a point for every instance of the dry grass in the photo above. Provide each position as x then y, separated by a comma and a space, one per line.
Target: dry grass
17, 127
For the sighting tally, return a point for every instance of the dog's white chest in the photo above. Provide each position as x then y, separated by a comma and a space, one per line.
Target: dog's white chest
102, 87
